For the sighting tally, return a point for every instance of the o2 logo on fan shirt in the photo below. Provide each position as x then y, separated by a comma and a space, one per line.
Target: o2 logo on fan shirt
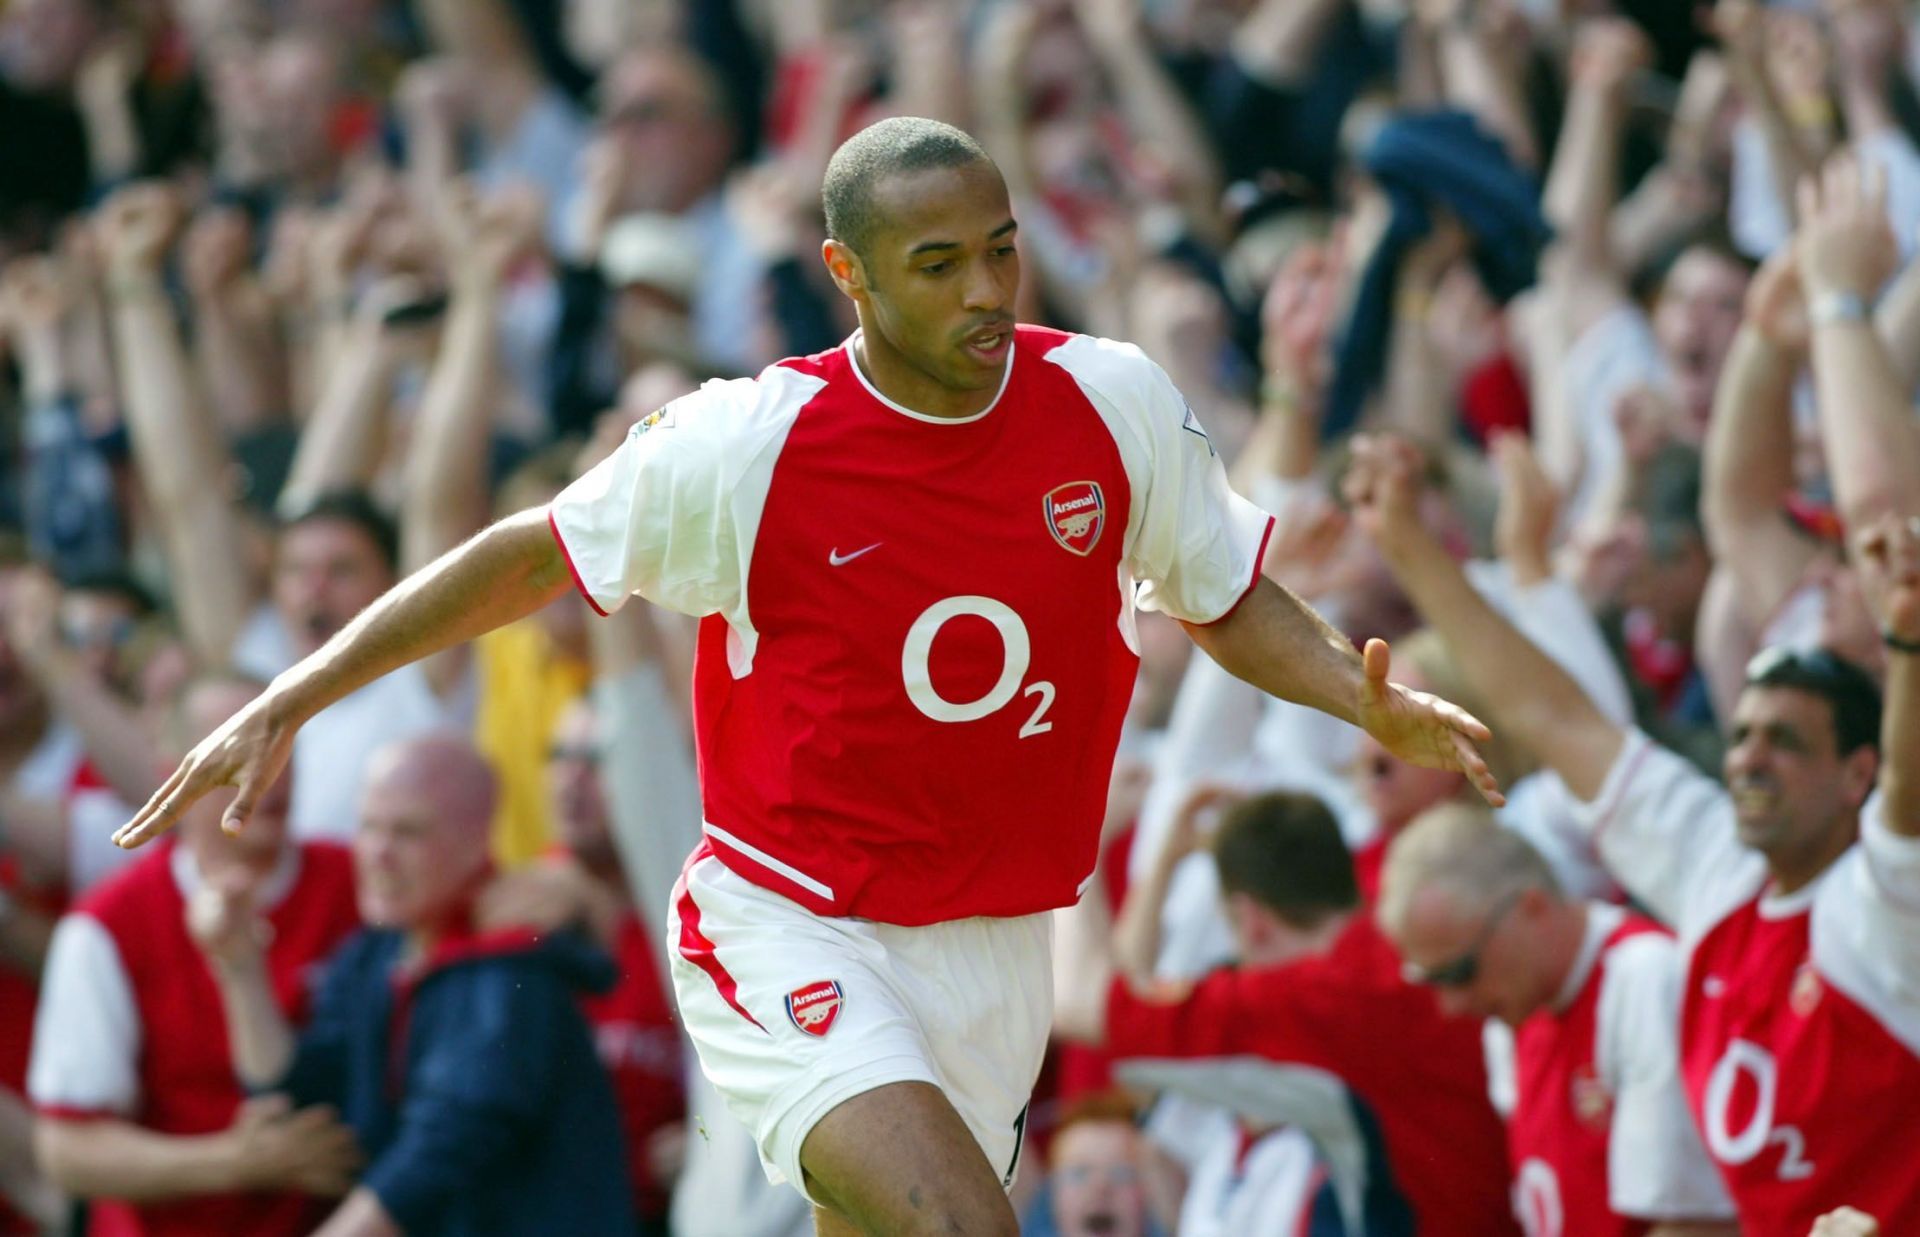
1749, 1068
1076, 515
816, 1007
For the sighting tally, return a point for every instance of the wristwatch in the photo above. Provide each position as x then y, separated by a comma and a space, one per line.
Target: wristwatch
1829, 308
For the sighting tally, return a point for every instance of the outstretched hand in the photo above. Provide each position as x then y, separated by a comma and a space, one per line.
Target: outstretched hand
248, 751
1423, 729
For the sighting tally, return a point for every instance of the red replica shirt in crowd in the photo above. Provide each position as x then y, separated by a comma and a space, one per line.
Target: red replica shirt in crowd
639, 1044
1601, 1140
1800, 1015
131, 1023
919, 644
1341, 1046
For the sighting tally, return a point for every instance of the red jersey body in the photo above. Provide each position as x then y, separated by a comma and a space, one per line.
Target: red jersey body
1800, 1015
1342, 1047
131, 1023
639, 1044
918, 643
1600, 1137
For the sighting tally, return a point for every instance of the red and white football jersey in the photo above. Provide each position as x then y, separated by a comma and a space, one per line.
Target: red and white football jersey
130, 1022
918, 641
1601, 1140
1800, 1015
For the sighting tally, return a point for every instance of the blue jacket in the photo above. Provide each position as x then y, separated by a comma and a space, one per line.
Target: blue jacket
472, 1084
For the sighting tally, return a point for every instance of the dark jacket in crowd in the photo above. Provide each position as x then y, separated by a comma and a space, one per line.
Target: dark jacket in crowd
472, 1083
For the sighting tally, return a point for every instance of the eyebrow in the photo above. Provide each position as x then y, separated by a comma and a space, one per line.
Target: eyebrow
924, 247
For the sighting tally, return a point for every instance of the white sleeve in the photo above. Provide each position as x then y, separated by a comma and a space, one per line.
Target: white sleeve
652, 788
86, 1031
1657, 1167
1666, 832
671, 514
1866, 925
1609, 358
1193, 544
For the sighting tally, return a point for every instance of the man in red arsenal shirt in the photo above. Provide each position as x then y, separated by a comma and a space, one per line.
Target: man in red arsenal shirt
131, 1072
1600, 1139
1795, 899
917, 559
1316, 1028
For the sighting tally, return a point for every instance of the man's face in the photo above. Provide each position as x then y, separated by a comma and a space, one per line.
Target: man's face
1790, 784
42, 42
20, 696
941, 273
412, 865
578, 802
1096, 1181
1695, 319
1493, 946
674, 141
326, 572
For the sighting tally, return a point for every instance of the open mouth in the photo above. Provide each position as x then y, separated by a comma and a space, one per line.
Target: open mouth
989, 344
1100, 1222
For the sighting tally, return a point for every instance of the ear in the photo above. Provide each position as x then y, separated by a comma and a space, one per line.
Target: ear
1860, 770
844, 265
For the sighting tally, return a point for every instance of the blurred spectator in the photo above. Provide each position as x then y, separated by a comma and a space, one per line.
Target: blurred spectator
132, 1074
1096, 1178
459, 1058
1291, 1035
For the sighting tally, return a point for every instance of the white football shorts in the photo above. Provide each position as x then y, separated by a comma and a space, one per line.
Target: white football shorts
793, 1014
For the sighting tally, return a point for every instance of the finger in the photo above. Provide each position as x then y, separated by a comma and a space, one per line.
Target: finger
235, 817
1462, 722
1808, 194
155, 816
1475, 767
1376, 659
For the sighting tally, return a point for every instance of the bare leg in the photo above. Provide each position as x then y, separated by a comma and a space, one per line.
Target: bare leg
898, 1161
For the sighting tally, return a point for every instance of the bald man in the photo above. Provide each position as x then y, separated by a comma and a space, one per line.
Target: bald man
459, 1057
1600, 1139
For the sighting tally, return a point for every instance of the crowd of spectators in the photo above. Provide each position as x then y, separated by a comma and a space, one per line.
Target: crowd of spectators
1574, 344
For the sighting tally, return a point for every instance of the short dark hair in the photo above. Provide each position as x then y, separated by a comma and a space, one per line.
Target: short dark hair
1285, 851
357, 508
897, 146
1848, 690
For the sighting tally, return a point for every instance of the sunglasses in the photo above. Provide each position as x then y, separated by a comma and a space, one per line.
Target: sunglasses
1466, 968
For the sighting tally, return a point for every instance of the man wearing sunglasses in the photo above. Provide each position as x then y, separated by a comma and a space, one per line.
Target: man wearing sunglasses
1600, 1140
1796, 901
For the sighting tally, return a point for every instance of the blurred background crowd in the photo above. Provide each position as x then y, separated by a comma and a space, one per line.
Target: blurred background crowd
295, 295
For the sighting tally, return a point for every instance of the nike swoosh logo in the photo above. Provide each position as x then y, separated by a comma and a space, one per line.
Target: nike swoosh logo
836, 559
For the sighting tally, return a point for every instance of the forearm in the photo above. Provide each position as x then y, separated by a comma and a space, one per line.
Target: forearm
106, 1157
1527, 691
1276, 43
1898, 322
1583, 183
361, 1215
1419, 398
1277, 642
1789, 156
1871, 437
1136, 931
1083, 967
180, 458
117, 740
257, 1032
506, 572
446, 468
237, 345
1478, 83
341, 443
1900, 745
1285, 442
1748, 470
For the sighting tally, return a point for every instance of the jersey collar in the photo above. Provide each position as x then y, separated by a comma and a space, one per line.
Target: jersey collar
853, 363
1602, 922
279, 882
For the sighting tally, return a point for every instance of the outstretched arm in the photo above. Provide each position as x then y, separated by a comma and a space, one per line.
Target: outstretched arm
507, 572
1888, 559
1529, 693
1276, 642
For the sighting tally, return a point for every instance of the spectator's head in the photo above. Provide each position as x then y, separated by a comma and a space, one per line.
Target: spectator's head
203, 705
100, 615
666, 108
653, 264
922, 243
1096, 1176
1803, 753
24, 709
1476, 914
278, 99
1695, 316
331, 561
425, 818
43, 42
1671, 578
1285, 875
576, 796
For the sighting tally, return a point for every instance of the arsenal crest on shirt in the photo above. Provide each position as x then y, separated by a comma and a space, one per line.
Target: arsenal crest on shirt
1076, 513
815, 1007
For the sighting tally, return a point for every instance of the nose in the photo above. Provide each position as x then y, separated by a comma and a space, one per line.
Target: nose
985, 290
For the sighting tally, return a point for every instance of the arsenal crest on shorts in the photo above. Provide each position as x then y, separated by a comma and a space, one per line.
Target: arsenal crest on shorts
815, 1007
1076, 512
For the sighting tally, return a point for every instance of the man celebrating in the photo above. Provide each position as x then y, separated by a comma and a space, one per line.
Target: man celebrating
914, 661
